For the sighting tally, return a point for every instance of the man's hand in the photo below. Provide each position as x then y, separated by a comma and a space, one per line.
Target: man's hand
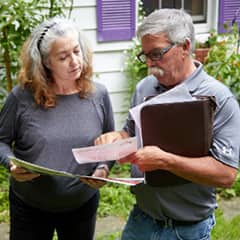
111, 137
148, 158
21, 174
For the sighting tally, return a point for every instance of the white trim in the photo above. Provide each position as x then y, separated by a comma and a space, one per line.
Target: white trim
211, 21
198, 18
212, 14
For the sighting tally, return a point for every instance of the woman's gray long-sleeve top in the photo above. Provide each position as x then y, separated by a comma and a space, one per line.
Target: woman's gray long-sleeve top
46, 137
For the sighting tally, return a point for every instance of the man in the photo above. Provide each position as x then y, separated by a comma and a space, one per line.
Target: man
183, 211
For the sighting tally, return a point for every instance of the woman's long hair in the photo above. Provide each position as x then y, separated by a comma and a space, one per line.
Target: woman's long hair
34, 57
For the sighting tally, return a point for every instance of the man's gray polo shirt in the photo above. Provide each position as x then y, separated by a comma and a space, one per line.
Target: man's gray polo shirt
191, 202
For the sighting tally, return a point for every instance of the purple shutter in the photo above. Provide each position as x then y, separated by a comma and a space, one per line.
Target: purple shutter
228, 10
116, 19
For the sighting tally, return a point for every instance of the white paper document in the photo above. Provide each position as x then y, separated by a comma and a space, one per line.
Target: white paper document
106, 152
179, 93
39, 169
125, 181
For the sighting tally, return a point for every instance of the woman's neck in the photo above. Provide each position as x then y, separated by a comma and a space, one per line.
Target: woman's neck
65, 89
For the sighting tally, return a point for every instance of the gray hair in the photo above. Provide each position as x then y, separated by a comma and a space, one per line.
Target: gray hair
176, 24
46, 33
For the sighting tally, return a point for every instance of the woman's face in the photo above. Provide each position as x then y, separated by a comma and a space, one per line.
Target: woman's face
65, 58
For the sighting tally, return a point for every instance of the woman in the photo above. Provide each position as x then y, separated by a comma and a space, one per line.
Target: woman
56, 107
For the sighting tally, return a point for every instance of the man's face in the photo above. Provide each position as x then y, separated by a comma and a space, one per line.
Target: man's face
164, 59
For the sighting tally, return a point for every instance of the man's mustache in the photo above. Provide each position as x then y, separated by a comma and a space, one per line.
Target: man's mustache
156, 71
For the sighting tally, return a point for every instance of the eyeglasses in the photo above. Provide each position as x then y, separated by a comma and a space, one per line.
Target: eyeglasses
154, 55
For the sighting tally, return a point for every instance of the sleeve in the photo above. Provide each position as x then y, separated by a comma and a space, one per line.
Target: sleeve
129, 126
7, 129
108, 121
226, 135
108, 114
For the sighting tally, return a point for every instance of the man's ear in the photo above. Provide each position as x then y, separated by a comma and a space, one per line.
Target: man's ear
187, 44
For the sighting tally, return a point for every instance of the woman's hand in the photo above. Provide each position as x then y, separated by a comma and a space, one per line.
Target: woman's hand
21, 174
97, 183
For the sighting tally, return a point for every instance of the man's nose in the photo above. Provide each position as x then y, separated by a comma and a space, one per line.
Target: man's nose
150, 63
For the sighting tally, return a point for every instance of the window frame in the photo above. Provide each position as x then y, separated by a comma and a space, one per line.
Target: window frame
195, 17
211, 17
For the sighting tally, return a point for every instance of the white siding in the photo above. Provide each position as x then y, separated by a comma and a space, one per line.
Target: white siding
108, 58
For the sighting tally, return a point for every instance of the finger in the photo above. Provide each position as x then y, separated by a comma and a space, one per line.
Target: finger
104, 139
93, 183
16, 169
122, 160
100, 173
108, 138
96, 181
129, 158
98, 140
22, 177
98, 184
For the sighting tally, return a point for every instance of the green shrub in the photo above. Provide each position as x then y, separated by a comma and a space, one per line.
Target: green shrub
134, 69
223, 61
116, 199
4, 176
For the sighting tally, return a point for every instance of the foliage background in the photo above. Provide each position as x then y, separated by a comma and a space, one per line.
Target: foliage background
223, 60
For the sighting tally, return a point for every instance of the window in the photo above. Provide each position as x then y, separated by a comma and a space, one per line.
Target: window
197, 9
116, 20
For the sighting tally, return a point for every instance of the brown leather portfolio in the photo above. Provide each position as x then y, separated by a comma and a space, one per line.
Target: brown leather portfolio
183, 128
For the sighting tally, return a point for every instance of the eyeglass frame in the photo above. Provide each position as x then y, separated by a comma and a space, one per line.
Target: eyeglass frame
161, 53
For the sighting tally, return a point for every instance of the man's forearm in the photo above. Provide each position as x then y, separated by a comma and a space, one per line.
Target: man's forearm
203, 170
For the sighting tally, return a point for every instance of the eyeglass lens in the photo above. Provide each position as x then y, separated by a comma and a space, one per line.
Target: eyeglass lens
155, 54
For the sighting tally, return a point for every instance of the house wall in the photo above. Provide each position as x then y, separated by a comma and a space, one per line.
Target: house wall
108, 58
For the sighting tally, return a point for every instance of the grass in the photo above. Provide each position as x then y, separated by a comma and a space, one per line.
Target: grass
226, 230
112, 236
116, 200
